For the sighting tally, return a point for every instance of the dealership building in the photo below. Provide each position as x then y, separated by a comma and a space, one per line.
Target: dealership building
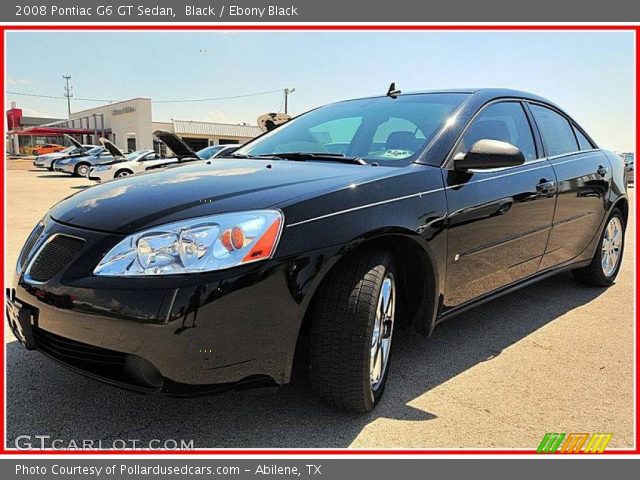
128, 124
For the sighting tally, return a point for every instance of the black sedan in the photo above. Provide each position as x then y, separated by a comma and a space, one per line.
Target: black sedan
320, 238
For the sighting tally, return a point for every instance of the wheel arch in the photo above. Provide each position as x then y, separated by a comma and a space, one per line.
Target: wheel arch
123, 170
414, 260
622, 204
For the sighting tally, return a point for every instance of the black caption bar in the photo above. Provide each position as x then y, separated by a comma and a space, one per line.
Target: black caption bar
71, 11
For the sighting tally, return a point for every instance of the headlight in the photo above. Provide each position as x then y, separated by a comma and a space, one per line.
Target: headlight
102, 168
198, 245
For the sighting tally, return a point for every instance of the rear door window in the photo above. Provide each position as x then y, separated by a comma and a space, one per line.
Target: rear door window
557, 132
583, 141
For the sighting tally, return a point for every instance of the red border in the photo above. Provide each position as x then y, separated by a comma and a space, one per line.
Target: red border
290, 27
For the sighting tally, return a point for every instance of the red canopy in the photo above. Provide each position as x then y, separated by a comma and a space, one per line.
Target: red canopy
53, 131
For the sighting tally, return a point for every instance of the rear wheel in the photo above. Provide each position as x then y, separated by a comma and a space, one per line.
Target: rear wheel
604, 268
351, 331
81, 170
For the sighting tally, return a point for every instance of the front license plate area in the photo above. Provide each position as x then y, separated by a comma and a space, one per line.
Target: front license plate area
21, 319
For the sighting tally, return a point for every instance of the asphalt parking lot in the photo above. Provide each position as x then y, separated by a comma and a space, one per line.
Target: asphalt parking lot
553, 357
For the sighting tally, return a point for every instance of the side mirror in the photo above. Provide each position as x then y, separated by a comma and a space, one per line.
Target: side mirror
485, 154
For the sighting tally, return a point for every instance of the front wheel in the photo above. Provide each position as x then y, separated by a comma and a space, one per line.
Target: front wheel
122, 173
604, 268
351, 331
81, 170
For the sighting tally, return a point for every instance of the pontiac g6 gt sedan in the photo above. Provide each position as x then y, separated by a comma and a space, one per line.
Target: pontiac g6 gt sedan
321, 237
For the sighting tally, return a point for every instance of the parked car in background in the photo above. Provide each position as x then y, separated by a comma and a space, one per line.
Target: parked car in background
210, 276
76, 149
79, 165
48, 148
216, 151
124, 165
629, 164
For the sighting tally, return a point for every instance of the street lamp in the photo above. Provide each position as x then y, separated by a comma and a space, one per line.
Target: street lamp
287, 92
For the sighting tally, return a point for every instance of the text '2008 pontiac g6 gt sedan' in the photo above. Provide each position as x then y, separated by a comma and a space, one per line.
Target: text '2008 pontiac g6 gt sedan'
322, 236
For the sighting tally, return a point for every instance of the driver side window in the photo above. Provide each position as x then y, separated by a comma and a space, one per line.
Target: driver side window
505, 122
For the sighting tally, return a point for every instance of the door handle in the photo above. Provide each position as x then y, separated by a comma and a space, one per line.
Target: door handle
602, 170
546, 187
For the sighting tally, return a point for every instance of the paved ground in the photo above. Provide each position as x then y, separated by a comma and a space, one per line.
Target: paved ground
555, 356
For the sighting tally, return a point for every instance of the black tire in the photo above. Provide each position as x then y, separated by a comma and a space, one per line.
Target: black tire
594, 274
50, 168
76, 171
342, 325
122, 173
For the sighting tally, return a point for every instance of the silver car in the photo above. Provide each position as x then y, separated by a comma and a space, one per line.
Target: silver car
79, 166
46, 161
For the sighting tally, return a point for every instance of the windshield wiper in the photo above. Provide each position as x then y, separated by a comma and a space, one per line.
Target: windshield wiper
321, 156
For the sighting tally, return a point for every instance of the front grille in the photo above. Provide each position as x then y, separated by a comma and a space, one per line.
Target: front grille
54, 256
29, 244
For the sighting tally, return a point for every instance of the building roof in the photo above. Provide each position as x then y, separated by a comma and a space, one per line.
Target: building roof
185, 127
36, 121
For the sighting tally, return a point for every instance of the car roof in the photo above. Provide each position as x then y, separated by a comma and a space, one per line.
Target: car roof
483, 94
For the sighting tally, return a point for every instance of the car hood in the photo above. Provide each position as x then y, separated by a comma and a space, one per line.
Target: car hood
176, 144
50, 156
111, 148
73, 141
133, 203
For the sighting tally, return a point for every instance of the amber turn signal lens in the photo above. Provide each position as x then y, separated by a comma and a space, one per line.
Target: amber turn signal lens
265, 245
225, 239
237, 238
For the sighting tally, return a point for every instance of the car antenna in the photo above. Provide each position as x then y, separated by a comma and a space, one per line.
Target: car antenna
393, 93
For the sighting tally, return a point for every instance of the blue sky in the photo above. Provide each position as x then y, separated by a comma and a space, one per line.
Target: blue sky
590, 74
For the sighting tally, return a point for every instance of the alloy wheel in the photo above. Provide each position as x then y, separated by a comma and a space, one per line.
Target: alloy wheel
611, 246
382, 332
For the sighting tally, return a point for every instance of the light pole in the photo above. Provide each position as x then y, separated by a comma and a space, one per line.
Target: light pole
68, 93
287, 92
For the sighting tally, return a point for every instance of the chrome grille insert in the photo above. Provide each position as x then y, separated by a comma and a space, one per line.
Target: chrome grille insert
25, 253
55, 254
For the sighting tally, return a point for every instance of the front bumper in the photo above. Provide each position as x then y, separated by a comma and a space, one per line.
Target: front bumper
220, 328
39, 163
100, 175
66, 168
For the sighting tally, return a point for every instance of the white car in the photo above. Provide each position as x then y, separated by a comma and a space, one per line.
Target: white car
140, 161
134, 162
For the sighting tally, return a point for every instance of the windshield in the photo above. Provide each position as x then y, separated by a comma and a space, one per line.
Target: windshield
383, 130
136, 154
208, 152
94, 150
